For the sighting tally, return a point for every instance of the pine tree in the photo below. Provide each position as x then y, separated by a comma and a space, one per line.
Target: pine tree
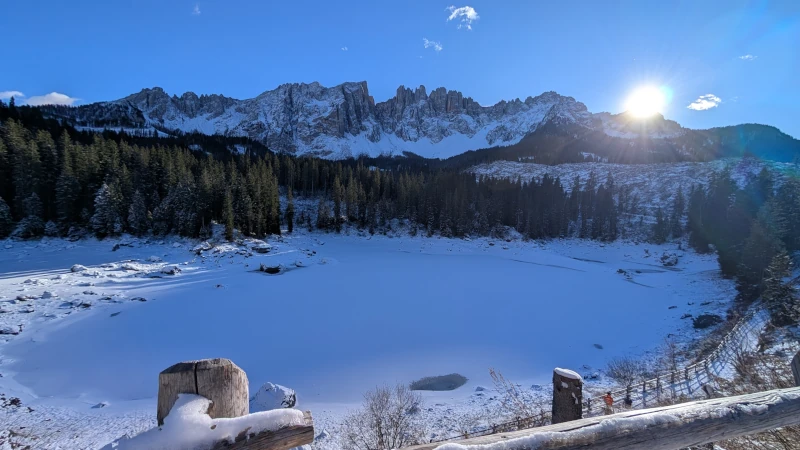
106, 219
290, 211
137, 214
323, 215
50, 229
32, 224
780, 295
676, 216
227, 216
338, 193
660, 229
6, 221
695, 226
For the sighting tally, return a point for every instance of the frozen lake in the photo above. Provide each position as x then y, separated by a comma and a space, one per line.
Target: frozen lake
361, 313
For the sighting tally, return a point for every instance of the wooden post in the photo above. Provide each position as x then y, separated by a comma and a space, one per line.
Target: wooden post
644, 394
688, 386
567, 395
796, 369
658, 388
219, 380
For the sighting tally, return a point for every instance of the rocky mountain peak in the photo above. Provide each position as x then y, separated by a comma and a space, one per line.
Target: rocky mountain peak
345, 120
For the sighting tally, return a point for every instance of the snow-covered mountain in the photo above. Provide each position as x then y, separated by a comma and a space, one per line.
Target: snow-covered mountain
345, 120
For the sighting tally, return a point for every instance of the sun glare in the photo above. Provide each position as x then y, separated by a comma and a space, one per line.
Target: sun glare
646, 101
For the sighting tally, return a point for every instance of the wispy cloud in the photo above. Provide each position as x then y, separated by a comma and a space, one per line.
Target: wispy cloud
748, 57
705, 102
196, 10
5, 95
53, 98
465, 15
434, 44
344, 49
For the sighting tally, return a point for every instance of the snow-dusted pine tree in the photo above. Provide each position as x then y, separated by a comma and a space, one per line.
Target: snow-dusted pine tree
106, 219
6, 222
51, 229
137, 214
32, 225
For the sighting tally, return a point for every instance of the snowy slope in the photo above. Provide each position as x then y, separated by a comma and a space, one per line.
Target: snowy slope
654, 184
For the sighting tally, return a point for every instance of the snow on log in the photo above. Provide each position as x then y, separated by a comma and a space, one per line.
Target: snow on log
663, 428
189, 427
566, 373
219, 380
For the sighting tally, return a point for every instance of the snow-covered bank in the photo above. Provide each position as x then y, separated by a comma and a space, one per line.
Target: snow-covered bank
362, 311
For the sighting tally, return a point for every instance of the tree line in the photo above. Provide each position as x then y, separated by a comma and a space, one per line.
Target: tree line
55, 185
754, 230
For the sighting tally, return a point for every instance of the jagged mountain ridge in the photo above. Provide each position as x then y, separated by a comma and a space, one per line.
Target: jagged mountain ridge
344, 121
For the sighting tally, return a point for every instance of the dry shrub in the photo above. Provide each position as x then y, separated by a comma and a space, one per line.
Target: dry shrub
388, 418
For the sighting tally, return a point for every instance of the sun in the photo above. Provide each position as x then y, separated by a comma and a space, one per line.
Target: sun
646, 101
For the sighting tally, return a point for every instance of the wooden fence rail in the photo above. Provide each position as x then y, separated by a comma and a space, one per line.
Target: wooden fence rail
663, 428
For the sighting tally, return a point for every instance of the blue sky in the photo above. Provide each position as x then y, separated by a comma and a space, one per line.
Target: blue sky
744, 56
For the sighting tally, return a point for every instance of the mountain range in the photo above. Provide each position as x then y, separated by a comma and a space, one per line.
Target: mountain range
345, 121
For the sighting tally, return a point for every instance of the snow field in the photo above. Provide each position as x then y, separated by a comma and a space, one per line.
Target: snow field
345, 314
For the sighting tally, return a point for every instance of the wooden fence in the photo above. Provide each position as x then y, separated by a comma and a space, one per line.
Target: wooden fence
687, 381
664, 428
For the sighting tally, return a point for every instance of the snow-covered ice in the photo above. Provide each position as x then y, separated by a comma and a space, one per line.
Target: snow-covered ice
355, 313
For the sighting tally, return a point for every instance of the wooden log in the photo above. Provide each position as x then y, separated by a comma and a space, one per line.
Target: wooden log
283, 439
796, 369
567, 395
664, 428
219, 380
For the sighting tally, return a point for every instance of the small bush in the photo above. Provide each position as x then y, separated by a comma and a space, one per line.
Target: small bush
439, 383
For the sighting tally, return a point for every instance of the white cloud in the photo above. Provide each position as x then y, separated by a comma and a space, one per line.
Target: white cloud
344, 49
705, 102
53, 98
196, 10
465, 14
5, 95
436, 45
748, 57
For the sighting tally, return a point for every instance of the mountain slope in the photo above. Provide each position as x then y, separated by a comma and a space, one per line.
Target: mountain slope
344, 121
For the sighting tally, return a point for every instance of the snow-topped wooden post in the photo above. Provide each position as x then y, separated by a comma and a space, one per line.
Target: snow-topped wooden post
219, 380
567, 395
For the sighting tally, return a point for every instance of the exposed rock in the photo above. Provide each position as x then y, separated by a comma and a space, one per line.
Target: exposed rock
706, 320
261, 247
669, 259
272, 270
78, 268
171, 270
49, 294
8, 330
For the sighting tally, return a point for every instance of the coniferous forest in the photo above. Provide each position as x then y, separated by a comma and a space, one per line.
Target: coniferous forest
58, 181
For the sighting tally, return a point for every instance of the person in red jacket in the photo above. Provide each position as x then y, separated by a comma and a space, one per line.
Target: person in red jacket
609, 408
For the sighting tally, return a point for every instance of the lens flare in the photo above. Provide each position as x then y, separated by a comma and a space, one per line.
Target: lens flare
646, 101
